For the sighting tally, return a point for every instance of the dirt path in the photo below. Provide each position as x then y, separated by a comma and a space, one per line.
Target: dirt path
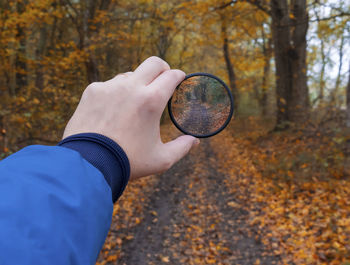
197, 120
192, 218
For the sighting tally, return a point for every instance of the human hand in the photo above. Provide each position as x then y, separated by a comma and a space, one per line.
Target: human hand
128, 109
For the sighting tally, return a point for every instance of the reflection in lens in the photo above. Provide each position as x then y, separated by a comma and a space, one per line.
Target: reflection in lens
201, 105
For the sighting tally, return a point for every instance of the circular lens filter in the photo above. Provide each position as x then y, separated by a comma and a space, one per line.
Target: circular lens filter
202, 105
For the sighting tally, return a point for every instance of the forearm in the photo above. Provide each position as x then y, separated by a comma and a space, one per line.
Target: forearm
56, 203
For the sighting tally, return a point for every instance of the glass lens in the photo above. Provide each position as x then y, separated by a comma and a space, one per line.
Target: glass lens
201, 105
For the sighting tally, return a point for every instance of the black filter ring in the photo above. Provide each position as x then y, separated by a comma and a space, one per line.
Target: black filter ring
228, 118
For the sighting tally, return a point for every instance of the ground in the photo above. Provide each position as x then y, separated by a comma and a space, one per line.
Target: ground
244, 196
198, 212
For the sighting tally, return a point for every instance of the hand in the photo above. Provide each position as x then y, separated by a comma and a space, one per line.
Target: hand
128, 109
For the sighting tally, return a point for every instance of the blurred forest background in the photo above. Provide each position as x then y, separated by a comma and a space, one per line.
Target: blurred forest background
287, 63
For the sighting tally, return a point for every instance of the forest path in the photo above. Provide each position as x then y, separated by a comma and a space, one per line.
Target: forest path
197, 120
191, 216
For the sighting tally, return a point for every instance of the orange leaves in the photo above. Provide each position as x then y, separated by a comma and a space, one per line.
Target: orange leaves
110, 258
127, 213
165, 259
233, 204
304, 219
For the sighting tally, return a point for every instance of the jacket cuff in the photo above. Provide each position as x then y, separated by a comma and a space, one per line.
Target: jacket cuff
104, 154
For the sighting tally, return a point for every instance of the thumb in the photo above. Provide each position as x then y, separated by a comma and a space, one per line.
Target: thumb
179, 147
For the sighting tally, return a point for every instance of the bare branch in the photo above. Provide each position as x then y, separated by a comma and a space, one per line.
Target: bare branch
259, 4
223, 6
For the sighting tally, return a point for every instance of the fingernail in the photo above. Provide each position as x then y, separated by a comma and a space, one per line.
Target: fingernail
196, 141
181, 73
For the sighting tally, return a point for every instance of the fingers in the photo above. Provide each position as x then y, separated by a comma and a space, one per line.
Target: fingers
179, 147
150, 69
166, 83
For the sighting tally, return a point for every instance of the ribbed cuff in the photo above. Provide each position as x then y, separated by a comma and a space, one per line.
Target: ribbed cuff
104, 154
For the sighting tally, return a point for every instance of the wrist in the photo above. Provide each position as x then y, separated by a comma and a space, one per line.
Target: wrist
106, 155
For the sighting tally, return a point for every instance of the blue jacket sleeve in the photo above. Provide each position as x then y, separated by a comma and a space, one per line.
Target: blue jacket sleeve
56, 202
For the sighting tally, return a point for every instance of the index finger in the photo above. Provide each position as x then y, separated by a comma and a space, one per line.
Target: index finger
150, 69
166, 83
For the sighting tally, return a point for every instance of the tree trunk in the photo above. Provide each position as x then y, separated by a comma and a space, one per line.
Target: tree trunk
20, 61
82, 20
337, 82
265, 86
229, 65
289, 39
348, 102
2, 135
266, 73
323, 68
300, 92
92, 71
347, 129
281, 40
93, 74
40, 51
